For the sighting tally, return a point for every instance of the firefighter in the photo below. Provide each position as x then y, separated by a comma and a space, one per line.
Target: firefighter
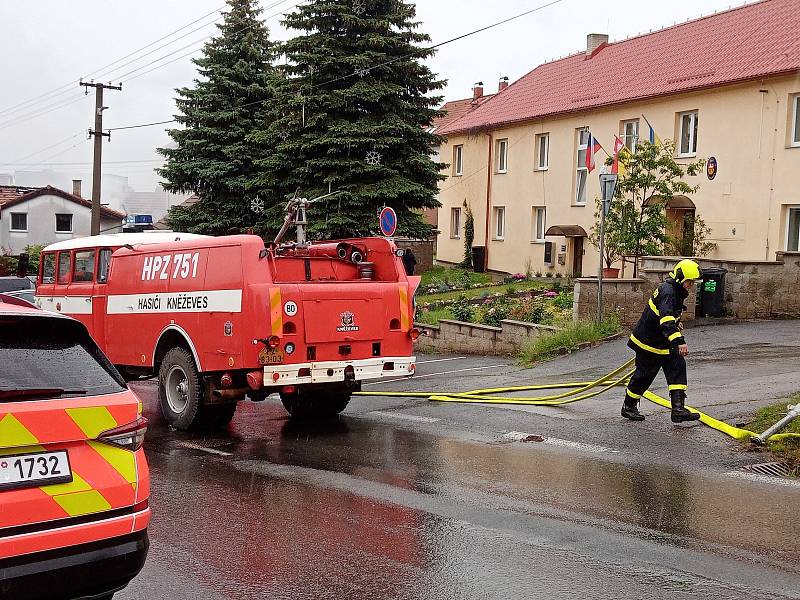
658, 342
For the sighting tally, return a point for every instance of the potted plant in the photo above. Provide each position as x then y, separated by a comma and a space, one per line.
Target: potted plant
615, 239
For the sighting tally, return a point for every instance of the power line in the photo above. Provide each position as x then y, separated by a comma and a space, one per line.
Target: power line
57, 91
141, 125
386, 63
46, 160
42, 111
360, 72
58, 143
66, 164
154, 50
60, 90
199, 41
125, 77
216, 10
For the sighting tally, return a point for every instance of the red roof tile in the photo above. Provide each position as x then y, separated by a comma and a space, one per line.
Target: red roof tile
12, 194
741, 44
456, 109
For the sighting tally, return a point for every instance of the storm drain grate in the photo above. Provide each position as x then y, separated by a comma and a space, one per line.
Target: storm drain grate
773, 469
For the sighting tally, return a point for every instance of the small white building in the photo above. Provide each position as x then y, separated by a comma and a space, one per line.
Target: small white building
47, 215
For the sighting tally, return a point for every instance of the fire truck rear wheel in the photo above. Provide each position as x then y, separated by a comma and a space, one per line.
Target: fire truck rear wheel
180, 390
315, 405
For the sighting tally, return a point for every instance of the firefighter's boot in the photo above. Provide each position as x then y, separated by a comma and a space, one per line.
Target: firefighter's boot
679, 412
630, 409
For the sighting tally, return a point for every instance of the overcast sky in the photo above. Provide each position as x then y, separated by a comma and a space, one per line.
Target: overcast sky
47, 45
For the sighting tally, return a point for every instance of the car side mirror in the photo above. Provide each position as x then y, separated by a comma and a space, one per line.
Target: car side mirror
23, 264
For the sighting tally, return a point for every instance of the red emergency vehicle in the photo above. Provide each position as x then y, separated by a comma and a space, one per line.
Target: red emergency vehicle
219, 318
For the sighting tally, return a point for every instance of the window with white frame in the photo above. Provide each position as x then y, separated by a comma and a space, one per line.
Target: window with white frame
499, 222
630, 134
581, 172
502, 156
455, 223
796, 120
19, 221
538, 224
793, 230
687, 137
63, 223
542, 151
458, 160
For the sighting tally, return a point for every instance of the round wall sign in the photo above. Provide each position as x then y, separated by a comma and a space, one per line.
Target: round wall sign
290, 308
711, 167
388, 221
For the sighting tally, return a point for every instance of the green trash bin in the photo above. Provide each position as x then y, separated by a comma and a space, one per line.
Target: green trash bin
712, 293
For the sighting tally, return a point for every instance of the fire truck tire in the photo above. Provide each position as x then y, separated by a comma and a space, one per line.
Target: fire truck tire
180, 390
317, 405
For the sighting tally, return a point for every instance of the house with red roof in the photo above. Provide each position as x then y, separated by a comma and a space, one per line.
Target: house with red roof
31, 216
452, 111
725, 86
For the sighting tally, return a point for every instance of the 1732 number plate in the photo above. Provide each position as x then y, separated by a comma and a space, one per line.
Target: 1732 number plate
35, 469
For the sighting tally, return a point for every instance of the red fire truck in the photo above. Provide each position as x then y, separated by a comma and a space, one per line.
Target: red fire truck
220, 318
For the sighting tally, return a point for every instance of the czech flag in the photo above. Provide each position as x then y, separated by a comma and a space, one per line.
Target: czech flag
592, 148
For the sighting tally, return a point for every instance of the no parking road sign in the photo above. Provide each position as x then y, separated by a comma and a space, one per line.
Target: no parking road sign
388, 221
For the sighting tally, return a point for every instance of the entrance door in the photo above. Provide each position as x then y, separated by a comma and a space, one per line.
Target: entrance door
680, 228
577, 256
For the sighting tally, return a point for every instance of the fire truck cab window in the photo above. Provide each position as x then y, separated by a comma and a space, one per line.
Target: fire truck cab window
84, 267
48, 268
104, 262
64, 264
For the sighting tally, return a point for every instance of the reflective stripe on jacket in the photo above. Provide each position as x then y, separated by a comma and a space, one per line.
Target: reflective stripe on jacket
657, 330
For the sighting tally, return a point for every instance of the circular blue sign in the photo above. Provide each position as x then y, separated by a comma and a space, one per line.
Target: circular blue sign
711, 168
388, 221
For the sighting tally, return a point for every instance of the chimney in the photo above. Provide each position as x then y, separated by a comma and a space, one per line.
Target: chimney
594, 42
503, 84
477, 90
76, 188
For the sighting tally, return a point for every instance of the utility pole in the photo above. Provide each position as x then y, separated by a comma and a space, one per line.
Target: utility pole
98, 134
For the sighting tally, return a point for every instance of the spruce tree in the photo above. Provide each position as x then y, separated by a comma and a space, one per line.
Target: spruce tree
353, 117
231, 98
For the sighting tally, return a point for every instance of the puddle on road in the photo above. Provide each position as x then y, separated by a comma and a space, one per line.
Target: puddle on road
357, 509
654, 498
747, 352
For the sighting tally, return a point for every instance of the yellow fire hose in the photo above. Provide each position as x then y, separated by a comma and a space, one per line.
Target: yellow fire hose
576, 391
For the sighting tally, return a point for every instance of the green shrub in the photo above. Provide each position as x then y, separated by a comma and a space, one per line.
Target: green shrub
564, 300
568, 339
494, 312
462, 310
530, 310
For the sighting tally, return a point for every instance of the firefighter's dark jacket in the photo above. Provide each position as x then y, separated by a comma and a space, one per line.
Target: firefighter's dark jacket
657, 331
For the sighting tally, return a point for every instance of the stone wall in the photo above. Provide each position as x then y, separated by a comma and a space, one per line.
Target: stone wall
753, 289
471, 338
625, 297
423, 250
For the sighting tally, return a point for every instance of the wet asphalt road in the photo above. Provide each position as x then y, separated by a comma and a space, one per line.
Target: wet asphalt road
402, 498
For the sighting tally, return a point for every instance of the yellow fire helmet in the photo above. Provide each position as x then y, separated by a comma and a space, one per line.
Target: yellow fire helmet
686, 269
